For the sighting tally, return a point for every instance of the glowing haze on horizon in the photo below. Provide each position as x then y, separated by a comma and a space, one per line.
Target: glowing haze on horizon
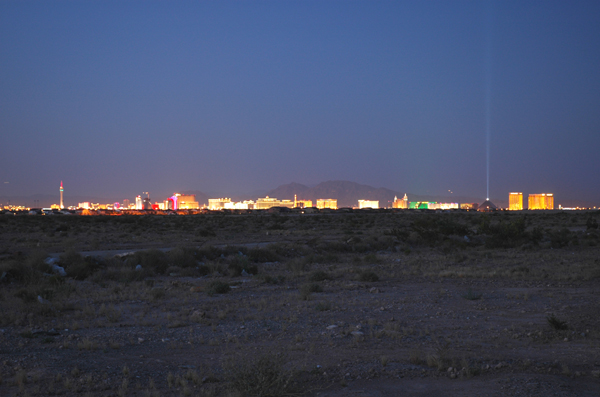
116, 98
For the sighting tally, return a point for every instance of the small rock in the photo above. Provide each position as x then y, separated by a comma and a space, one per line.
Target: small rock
596, 374
42, 300
332, 327
138, 268
58, 270
357, 333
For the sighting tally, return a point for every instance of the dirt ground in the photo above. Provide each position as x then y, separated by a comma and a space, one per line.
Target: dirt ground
350, 304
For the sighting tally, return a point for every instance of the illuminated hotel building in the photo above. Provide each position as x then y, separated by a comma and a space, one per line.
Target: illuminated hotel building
443, 206
146, 203
187, 201
182, 202
374, 204
302, 203
515, 201
240, 205
138, 203
327, 203
217, 204
268, 202
420, 205
542, 201
400, 203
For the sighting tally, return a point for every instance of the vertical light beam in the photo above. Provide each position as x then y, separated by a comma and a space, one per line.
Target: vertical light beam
488, 95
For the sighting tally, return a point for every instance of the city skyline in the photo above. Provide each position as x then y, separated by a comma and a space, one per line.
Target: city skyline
189, 201
232, 98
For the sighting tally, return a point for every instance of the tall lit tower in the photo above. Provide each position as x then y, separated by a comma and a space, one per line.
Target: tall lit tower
61, 196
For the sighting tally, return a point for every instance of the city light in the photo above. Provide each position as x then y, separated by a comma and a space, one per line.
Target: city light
180, 203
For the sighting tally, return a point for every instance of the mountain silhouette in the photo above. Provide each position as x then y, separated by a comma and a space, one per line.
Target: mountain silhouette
347, 193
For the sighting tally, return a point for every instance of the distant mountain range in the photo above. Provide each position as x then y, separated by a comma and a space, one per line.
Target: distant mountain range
348, 193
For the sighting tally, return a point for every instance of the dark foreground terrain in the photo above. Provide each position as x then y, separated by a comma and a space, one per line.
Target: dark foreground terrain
342, 304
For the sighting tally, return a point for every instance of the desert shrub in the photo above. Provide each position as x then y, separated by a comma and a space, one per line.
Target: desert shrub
153, 259
591, 224
157, 294
368, 276
27, 295
319, 275
561, 238
307, 289
79, 267
432, 229
20, 272
197, 271
203, 270
262, 255
70, 257
182, 257
379, 243
208, 253
273, 280
128, 275
115, 271
217, 287
556, 323
37, 260
398, 234
506, 234
536, 235
173, 271
240, 263
299, 264
262, 376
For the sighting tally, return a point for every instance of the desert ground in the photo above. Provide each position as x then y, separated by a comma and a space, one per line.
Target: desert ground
359, 303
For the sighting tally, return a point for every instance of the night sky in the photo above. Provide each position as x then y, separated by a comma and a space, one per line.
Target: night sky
119, 97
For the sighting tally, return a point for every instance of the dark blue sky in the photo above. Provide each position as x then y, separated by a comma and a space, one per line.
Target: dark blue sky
115, 98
